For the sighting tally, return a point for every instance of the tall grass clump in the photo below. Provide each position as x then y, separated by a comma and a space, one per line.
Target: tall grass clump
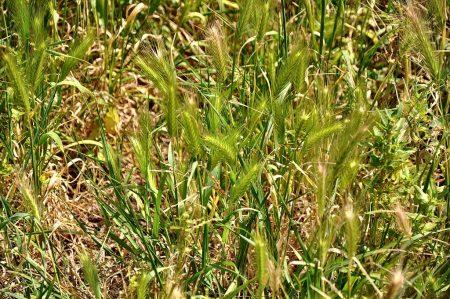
30, 140
261, 149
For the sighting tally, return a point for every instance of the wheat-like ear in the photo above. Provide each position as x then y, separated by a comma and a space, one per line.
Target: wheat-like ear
395, 285
263, 16
91, 275
38, 30
256, 114
244, 24
171, 113
142, 145
218, 50
192, 133
299, 59
215, 110
112, 160
438, 7
142, 285
156, 64
262, 258
30, 200
320, 134
254, 16
244, 181
223, 148
36, 71
417, 39
292, 72
36, 65
17, 78
345, 146
75, 55
158, 67
402, 219
351, 230
21, 16
279, 113
282, 87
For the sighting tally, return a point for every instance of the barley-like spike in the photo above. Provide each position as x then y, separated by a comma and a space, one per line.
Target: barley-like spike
221, 147
402, 220
192, 133
21, 15
417, 37
75, 55
261, 262
36, 72
30, 200
37, 63
17, 77
142, 143
157, 66
142, 286
352, 231
218, 50
245, 17
395, 285
244, 181
91, 275
292, 72
320, 135
264, 17
171, 112
279, 111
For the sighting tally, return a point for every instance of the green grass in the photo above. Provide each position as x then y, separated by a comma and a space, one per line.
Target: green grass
220, 149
